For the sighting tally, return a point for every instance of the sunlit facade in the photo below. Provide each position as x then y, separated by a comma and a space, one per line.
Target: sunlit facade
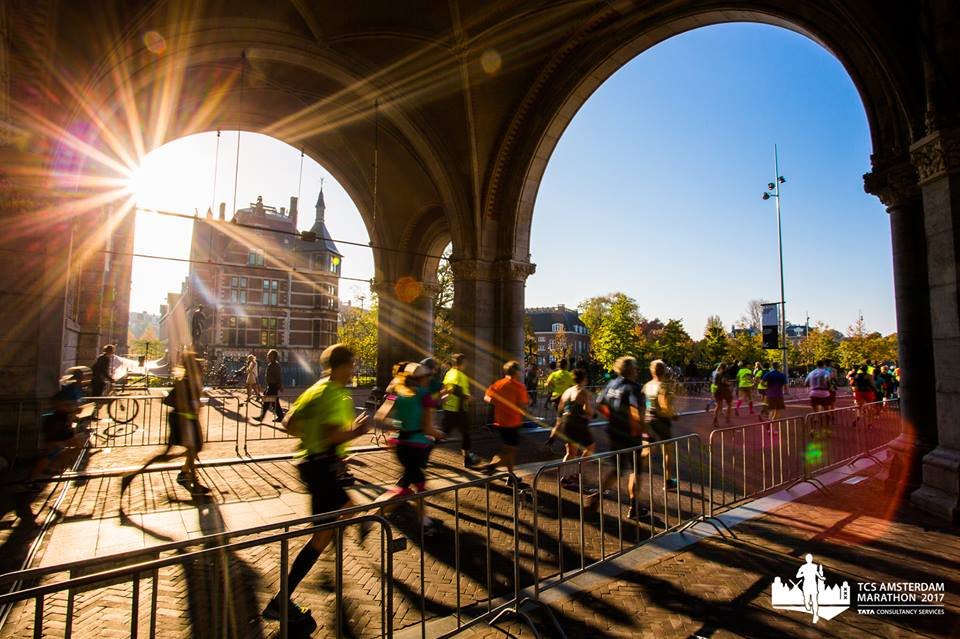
263, 286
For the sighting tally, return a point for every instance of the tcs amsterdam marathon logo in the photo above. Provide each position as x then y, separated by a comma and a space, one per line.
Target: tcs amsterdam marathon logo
809, 592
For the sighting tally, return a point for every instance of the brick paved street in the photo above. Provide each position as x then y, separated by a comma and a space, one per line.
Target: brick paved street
156, 510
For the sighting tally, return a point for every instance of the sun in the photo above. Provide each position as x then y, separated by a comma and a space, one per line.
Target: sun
137, 184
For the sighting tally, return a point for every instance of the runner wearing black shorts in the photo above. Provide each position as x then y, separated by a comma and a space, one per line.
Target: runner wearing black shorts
573, 423
622, 402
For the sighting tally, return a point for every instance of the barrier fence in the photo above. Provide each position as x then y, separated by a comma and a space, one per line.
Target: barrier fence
487, 549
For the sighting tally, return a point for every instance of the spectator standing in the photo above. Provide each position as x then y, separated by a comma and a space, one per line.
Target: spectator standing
273, 377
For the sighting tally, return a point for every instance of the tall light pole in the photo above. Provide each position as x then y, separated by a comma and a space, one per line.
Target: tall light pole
773, 191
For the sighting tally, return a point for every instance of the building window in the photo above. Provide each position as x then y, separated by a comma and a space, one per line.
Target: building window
270, 295
255, 257
269, 334
335, 264
236, 331
541, 339
556, 328
238, 290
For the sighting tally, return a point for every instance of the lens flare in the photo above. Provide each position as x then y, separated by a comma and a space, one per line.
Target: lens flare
407, 289
155, 42
491, 61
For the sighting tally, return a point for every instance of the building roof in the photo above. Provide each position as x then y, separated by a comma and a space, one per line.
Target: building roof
543, 318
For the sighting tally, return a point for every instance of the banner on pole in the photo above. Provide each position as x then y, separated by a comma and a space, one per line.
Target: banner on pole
771, 325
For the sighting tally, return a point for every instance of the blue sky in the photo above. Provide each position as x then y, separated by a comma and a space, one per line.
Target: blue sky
654, 189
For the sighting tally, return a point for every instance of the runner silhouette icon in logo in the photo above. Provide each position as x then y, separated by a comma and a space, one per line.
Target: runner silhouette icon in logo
810, 593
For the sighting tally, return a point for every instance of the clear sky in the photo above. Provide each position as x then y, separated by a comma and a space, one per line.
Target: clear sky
654, 189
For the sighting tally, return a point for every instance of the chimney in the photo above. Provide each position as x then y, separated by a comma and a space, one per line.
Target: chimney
293, 210
223, 211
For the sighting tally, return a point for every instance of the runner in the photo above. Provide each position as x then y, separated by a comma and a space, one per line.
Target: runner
183, 422
322, 417
818, 381
411, 407
456, 404
621, 402
832, 372
775, 381
658, 415
759, 370
557, 382
58, 429
722, 392
864, 388
744, 387
508, 397
573, 424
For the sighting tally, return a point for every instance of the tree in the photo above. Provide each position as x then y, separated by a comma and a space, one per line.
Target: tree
148, 344
746, 348
671, 343
617, 334
714, 346
592, 311
559, 344
358, 331
820, 343
530, 345
753, 318
859, 346
443, 310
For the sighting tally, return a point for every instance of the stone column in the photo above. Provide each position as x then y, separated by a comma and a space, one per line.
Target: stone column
896, 184
937, 159
512, 277
474, 304
404, 323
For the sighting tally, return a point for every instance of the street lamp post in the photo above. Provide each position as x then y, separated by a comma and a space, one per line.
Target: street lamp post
773, 190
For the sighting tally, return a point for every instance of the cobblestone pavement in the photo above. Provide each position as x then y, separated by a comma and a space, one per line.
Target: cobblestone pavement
722, 588
156, 509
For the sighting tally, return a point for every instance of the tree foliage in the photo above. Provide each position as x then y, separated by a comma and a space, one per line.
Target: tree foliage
859, 346
443, 310
358, 330
617, 334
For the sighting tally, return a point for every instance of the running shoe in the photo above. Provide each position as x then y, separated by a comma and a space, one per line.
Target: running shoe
295, 612
671, 483
638, 514
570, 483
470, 460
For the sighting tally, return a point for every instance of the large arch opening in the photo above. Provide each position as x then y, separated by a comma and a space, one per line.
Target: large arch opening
220, 235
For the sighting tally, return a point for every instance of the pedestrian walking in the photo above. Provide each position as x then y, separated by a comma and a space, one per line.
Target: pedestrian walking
323, 418
508, 397
573, 424
252, 370
273, 376
409, 409
622, 403
722, 392
659, 415
183, 422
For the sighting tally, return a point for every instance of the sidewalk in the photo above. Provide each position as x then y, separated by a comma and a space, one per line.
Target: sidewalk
722, 588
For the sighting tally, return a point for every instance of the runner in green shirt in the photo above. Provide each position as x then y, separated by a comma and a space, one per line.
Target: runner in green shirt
759, 370
322, 417
745, 383
559, 381
456, 403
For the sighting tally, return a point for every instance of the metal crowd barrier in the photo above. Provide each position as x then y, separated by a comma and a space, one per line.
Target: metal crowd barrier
669, 506
841, 436
484, 553
750, 460
210, 572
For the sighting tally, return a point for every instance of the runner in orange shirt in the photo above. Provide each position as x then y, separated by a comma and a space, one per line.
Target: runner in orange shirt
508, 396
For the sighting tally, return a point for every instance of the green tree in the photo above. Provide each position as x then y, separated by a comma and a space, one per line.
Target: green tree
672, 343
559, 344
443, 310
530, 345
148, 344
617, 334
593, 310
746, 348
358, 330
820, 343
714, 346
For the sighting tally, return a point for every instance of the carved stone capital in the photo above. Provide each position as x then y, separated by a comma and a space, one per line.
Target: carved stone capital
472, 270
937, 155
895, 184
515, 270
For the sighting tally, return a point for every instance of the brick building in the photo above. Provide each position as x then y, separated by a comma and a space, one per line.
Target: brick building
263, 285
558, 330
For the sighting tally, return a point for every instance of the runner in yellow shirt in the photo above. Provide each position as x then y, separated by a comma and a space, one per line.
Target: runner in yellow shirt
456, 402
557, 382
744, 387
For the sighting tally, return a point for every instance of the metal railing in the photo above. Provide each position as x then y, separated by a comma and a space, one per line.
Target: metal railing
484, 555
671, 499
751, 460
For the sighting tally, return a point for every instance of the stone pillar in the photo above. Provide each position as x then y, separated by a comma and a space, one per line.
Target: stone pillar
511, 284
404, 323
937, 159
896, 184
474, 304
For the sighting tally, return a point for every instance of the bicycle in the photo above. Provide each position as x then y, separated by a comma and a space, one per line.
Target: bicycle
121, 409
